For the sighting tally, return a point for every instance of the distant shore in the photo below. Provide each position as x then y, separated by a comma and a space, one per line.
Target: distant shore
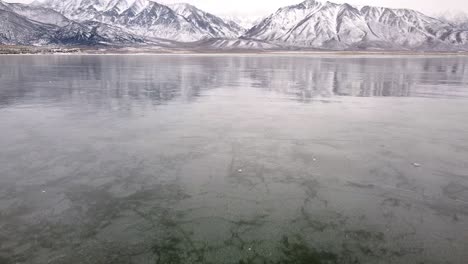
33, 50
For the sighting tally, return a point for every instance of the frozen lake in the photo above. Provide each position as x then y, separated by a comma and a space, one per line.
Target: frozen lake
236, 159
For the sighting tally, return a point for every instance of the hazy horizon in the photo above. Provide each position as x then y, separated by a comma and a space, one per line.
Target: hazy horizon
260, 8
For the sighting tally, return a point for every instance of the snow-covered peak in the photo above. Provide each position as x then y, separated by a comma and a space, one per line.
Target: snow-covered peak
341, 26
185, 9
71, 5
179, 6
148, 18
246, 22
305, 5
119, 6
213, 25
310, 23
284, 19
138, 6
459, 19
311, 3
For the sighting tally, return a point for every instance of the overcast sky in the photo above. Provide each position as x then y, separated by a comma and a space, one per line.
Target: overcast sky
264, 7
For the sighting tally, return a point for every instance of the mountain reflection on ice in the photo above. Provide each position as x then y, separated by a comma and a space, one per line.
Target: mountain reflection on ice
233, 159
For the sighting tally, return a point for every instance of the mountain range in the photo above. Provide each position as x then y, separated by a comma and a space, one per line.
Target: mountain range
308, 25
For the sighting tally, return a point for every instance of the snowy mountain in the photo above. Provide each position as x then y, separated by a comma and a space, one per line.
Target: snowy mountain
343, 26
224, 44
16, 29
36, 25
139, 17
146, 18
37, 13
307, 25
458, 19
215, 26
245, 22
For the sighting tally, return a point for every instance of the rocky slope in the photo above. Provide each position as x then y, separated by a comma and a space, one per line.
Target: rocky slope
214, 26
35, 25
343, 26
146, 18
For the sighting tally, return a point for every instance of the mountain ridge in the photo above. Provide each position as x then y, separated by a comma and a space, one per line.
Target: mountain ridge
343, 26
183, 22
310, 24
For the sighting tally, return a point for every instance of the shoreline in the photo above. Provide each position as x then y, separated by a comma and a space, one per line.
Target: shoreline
336, 54
25, 50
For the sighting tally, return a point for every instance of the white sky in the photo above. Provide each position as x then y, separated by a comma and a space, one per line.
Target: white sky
265, 7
